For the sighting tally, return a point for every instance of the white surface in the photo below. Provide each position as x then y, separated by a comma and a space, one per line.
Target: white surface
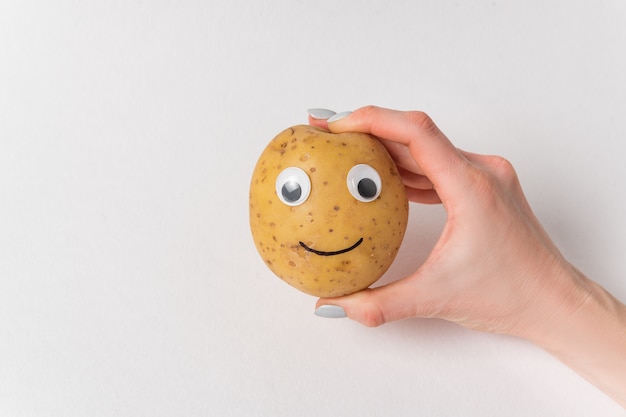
129, 284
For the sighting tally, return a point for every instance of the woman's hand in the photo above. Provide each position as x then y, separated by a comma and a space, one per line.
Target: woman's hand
494, 267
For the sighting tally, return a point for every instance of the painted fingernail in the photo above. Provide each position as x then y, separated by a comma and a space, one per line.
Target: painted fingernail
330, 312
320, 114
339, 116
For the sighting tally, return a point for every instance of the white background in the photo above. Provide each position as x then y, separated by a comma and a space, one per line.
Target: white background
129, 283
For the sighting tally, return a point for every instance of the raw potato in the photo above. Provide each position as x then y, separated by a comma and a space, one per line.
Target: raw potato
349, 243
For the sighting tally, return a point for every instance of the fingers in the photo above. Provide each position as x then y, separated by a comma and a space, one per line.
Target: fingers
432, 154
398, 151
402, 157
419, 187
413, 180
423, 196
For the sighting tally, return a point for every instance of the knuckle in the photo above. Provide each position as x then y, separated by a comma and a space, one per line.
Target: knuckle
421, 120
369, 110
369, 113
503, 169
494, 178
371, 319
372, 315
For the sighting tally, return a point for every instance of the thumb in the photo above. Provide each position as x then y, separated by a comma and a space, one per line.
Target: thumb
374, 306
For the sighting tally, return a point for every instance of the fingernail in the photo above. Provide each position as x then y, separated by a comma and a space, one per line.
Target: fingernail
339, 116
320, 114
330, 312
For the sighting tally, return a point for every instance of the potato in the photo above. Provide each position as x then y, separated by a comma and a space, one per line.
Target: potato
328, 212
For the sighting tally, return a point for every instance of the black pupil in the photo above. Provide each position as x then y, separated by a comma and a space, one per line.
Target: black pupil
367, 188
291, 191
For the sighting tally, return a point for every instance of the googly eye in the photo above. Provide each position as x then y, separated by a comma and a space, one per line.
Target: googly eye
293, 186
364, 183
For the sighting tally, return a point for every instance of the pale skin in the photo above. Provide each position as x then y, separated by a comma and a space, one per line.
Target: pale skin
494, 268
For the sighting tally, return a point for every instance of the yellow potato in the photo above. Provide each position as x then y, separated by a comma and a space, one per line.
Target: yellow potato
328, 211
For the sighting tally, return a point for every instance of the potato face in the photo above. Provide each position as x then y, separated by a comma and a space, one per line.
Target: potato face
327, 211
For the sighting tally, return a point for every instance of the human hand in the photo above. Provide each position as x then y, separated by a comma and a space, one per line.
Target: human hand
494, 267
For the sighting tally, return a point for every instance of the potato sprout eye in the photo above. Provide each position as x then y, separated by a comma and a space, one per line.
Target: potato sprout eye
364, 183
293, 186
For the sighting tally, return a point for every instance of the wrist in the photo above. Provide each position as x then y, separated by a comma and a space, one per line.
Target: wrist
586, 330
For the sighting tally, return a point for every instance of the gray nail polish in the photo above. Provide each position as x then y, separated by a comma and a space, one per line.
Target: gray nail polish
339, 116
320, 114
330, 312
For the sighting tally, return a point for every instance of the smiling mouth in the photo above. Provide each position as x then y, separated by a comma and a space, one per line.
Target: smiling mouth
338, 252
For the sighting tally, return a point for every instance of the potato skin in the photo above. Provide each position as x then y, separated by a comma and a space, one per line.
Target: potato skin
331, 219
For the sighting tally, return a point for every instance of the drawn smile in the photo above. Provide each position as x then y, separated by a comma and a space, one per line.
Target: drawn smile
338, 252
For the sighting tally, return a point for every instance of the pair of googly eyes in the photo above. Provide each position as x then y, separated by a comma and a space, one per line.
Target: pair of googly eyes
293, 185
